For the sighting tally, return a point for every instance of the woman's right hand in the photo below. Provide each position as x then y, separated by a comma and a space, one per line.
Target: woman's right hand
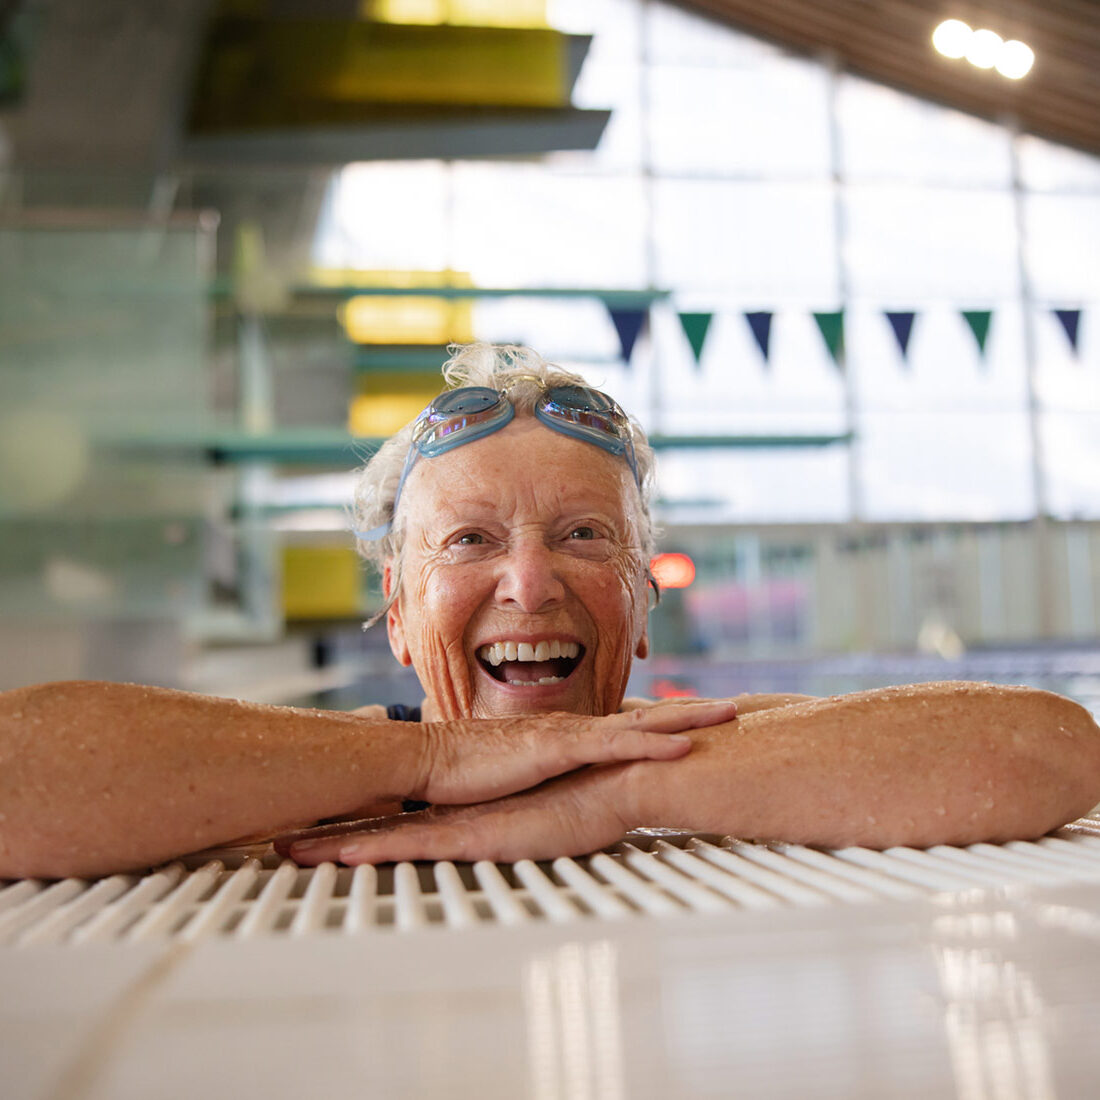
474, 760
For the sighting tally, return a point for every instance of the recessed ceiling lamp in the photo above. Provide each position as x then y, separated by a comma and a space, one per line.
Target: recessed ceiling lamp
1015, 59
985, 49
951, 38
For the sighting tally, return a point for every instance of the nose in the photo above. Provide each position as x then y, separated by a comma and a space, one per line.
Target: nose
529, 578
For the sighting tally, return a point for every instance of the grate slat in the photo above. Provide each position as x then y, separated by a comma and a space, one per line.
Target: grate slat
877, 883
171, 910
689, 891
505, 905
214, 915
65, 918
972, 872
38, 906
409, 912
458, 908
18, 892
314, 908
362, 900
744, 894
933, 878
735, 856
264, 912
593, 893
552, 901
1002, 862
635, 889
113, 918
1065, 851
814, 880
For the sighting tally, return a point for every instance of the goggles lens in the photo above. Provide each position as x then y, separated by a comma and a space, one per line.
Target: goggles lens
463, 415
460, 416
586, 414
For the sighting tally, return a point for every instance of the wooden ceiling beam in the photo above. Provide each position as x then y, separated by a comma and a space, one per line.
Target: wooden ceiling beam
889, 41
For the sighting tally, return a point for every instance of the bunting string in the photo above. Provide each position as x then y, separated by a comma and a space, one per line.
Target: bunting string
630, 323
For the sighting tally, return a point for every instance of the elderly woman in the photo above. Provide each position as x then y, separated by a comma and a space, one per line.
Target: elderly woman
511, 524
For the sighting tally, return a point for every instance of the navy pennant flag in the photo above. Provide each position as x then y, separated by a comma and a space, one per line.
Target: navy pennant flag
1071, 319
760, 323
628, 324
902, 324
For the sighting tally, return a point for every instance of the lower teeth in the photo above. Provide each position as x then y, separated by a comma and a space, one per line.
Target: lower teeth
535, 683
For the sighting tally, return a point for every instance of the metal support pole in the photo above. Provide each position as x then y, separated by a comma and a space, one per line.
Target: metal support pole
645, 115
840, 224
1044, 565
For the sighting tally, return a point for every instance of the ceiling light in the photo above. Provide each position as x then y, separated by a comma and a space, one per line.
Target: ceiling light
1015, 59
983, 49
952, 37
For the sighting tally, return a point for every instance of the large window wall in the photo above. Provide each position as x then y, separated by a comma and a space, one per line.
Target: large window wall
740, 178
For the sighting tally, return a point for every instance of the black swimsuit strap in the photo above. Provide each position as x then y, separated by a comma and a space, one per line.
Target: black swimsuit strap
399, 712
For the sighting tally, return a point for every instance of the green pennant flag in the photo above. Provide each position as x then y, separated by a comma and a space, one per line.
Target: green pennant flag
978, 320
831, 326
695, 327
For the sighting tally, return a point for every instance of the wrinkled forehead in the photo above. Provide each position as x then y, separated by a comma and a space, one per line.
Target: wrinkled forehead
525, 470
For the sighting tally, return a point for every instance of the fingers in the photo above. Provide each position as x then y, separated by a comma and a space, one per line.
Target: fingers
577, 748
674, 717
408, 841
332, 831
523, 827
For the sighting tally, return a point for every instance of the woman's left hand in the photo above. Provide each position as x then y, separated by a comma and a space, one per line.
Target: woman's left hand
570, 815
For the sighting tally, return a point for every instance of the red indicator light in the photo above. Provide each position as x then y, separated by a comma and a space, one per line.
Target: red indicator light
670, 689
673, 570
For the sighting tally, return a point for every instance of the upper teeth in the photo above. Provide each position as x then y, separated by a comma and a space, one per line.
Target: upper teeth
525, 651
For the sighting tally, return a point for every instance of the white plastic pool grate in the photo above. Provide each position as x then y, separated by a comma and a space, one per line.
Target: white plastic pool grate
240, 896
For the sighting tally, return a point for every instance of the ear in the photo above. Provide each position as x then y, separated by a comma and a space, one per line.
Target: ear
641, 650
395, 629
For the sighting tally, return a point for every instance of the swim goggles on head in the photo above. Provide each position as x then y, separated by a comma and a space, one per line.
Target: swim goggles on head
463, 415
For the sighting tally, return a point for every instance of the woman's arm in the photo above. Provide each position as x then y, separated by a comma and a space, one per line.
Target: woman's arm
744, 703
943, 763
101, 777
98, 777
949, 763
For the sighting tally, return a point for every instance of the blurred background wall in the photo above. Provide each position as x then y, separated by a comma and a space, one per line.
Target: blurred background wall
849, 284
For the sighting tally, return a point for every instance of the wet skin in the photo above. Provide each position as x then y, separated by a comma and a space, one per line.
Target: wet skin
525, 536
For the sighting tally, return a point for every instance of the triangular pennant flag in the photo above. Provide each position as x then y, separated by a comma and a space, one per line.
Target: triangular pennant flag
902, 324
978, 320
1070, 319
832, 331
695, 327
628, 324
761, 325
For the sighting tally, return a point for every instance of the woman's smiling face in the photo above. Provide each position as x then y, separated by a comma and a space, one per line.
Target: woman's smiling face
523, 582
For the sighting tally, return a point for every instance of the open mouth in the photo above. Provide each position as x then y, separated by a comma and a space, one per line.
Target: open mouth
530, 664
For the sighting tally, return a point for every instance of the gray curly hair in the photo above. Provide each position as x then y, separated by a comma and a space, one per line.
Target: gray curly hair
526, 376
